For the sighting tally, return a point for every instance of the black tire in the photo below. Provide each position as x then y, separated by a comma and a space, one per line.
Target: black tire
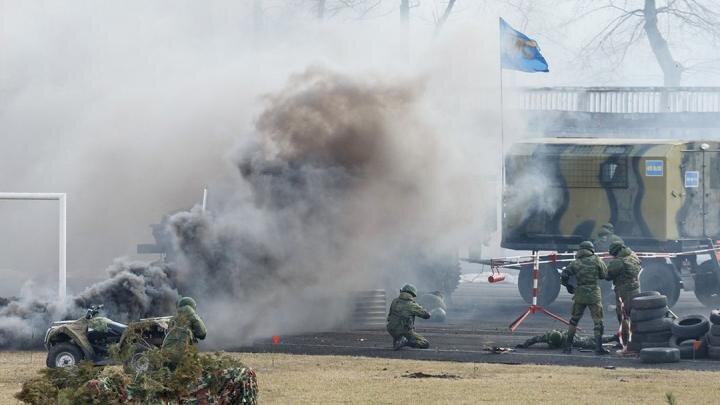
715, 330
647, 294
715, 317
654, 337
649, 302
653, 325
64, 355
640, 315
687, 348
690, 326
660, 276
713, 340
660, 355
707, 288
714, 352
548, 284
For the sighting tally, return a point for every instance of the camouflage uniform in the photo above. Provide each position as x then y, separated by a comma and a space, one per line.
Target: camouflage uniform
587, 269
623, 271
401, 319
556, 339
433, 303
606, 237
185, 328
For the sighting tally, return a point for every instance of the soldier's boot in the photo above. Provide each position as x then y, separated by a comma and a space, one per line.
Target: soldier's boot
567, 349
400, 343
599, 349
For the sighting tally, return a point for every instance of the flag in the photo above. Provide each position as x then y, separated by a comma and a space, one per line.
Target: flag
518, 52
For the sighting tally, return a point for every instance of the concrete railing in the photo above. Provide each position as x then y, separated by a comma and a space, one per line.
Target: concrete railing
621, 99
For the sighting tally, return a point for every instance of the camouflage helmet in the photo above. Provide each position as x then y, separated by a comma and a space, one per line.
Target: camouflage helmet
615, 248
555, 338
410, 289
606, 229
438, 315
187, 302
587, 245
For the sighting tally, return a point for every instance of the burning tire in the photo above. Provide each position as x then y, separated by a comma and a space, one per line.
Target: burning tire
548, 284
63, 355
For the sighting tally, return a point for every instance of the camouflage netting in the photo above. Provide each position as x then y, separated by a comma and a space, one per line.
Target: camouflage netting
194, 379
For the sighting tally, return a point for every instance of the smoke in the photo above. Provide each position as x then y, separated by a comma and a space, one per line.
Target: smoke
341, 187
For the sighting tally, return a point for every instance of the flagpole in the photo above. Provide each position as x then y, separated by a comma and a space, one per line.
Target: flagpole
502, 140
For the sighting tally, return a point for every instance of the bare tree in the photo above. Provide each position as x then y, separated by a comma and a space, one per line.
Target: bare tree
446, 14
627, 26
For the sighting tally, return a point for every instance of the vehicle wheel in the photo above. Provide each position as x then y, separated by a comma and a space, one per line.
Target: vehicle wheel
548, 284
690, 326
64, 355
687, 347
660, 355
715, 317
640, 315
707, 288
653, 325
649, 302
659, 276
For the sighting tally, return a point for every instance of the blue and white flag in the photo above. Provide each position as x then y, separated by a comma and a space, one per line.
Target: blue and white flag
518, 52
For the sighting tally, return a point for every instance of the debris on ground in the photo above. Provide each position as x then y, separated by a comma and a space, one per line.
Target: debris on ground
420, 374
498, 349
194, 378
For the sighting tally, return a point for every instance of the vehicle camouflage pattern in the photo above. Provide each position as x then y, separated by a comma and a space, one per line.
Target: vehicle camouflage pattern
660, 195
92, 338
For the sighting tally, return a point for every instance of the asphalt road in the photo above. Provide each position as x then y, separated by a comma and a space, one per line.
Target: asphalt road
478, 321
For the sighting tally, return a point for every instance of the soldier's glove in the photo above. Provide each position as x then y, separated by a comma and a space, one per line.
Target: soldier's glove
426, 315
570, 288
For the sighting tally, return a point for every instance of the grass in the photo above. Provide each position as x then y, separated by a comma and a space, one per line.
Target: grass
295, 379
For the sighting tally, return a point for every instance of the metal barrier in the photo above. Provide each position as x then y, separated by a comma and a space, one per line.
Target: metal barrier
621, 99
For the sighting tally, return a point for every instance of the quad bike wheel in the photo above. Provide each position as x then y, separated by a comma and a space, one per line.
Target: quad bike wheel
707, 287
64, 355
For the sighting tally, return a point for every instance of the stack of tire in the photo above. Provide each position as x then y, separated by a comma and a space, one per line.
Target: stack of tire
713, 336
688, 336
651, 326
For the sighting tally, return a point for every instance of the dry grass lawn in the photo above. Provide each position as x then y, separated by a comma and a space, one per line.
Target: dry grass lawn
288, 379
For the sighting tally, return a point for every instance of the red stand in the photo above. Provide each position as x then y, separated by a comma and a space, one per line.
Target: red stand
535, 308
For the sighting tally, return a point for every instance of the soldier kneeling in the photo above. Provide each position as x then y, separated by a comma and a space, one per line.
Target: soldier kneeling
401, 319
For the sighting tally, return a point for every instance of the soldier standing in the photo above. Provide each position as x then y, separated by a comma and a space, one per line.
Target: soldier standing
556, 339
623, 271
587, 269
401, 319
606, 236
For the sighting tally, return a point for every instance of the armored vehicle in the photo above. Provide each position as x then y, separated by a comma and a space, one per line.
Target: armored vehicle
661, 196
90, 338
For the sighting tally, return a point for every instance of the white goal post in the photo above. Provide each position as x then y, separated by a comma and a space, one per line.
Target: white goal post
61, 198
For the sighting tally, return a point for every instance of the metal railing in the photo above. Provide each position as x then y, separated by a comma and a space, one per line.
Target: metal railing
621, 99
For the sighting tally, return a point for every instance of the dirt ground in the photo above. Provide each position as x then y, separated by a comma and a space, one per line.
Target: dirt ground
337, 379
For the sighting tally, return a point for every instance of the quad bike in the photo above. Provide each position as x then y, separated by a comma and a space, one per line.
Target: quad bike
91, 338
